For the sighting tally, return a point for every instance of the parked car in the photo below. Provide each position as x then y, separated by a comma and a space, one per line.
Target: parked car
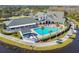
59, 41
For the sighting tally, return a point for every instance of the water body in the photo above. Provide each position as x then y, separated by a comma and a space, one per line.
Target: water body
5, 50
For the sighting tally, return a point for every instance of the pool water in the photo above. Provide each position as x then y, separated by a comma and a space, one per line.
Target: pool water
46, 30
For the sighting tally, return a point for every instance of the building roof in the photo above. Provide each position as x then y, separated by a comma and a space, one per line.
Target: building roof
20, 21
25, 30
56, 16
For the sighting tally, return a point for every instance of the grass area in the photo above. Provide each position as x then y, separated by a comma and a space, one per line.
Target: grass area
0, 30
76, 22
13, 17
16, 17
14, 43
16, 35
2, 20
73, 36
38, 48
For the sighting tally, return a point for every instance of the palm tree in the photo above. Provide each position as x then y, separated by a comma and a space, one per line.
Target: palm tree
42, 27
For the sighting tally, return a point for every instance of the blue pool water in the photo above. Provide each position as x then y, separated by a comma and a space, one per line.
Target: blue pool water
46, 30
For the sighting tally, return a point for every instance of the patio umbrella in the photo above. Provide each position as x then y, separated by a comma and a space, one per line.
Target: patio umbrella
27, 35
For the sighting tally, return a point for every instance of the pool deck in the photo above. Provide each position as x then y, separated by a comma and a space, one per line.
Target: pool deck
47, 35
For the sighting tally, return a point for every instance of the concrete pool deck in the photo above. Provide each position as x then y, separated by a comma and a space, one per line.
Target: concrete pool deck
47, 35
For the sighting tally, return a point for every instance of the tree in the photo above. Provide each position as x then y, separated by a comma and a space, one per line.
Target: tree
0, 13
4, 26
42, 27
25, 11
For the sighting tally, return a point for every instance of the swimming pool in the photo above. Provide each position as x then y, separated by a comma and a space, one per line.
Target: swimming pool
46, 30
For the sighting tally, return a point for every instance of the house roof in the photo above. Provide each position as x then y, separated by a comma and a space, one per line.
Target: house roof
20, 21
25, 30
56, 16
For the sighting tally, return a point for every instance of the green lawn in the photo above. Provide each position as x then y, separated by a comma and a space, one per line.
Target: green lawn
14, 43
16, 35
2, 20
76, 22
16, 17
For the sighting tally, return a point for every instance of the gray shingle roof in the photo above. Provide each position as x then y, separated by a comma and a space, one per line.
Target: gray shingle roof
56, 16
21, 21
25, 30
